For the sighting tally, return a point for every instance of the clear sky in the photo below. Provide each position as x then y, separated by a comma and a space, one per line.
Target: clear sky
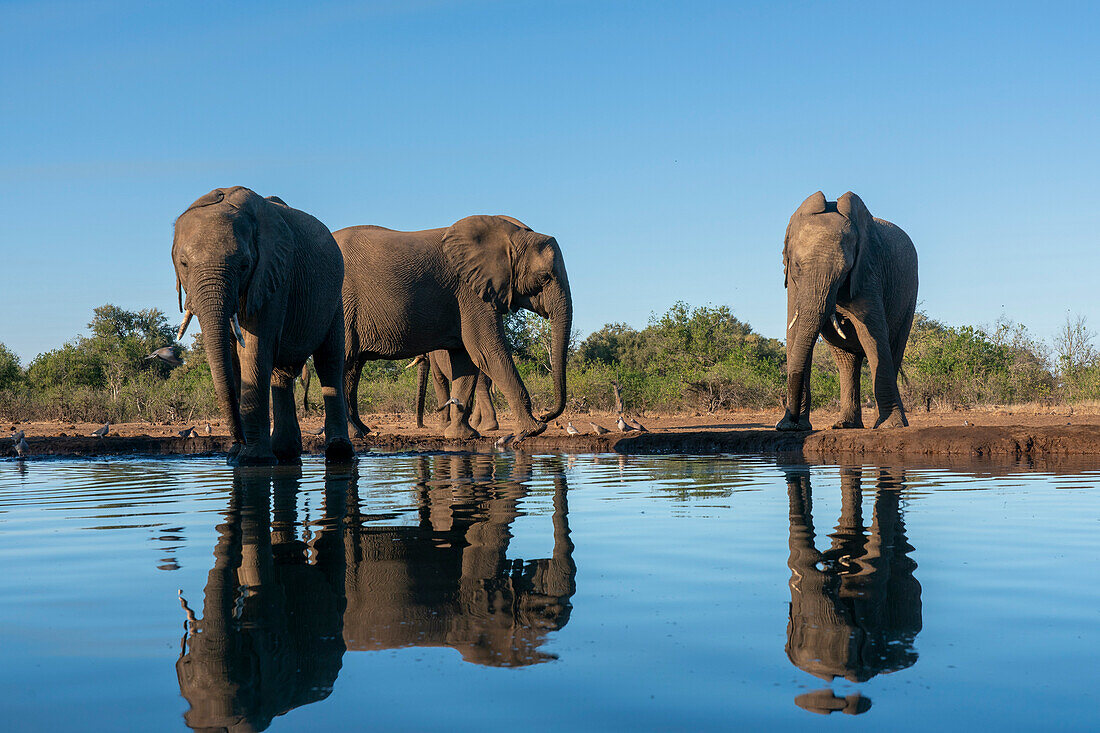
664, 144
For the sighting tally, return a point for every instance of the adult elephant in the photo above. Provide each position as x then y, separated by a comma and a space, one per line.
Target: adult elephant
483, 415
852, 279
271, 275
410, 293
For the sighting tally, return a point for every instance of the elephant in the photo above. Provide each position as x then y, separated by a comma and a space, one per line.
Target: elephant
270, 275
856, 607
447, 581
410, 293
271, 635
851, 279
483, 416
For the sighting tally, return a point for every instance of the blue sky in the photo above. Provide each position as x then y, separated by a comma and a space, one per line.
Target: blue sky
664, 144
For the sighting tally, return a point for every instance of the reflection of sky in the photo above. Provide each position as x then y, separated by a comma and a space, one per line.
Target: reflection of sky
628, 130
679, 617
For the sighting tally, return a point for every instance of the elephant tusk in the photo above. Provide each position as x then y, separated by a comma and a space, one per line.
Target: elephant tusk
791, 324
186, 322
237, 329
414, 362
836, 324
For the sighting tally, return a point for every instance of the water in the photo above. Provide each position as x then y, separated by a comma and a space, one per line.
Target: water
548, 592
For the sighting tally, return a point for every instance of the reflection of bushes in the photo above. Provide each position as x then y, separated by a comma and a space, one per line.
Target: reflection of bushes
688, 359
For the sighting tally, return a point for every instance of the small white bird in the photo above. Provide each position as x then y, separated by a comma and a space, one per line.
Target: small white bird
16, 437
453, 401
21, 448
167, 354
504, 440
100, 432
623, 427
599, 429
638, 426
208, 429
187, 433
572, 430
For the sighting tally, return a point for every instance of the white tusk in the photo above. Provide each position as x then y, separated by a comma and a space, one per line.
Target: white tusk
791, 324
836, 324
414, 362
186, 322
237, 329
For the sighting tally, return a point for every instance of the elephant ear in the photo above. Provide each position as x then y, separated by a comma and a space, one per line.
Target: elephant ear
479, 248
852, 208
814, 204
272, 248
513, 220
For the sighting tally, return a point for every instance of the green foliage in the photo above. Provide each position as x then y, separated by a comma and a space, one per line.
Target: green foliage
11, 372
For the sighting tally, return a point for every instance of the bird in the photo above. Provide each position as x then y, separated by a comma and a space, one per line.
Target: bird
100, 432
504, 440
572, 430
16, 437
638, 426
599, 429
21, 448
208, 429
187, 433
623, 427
453, 401
167, 354
318, 431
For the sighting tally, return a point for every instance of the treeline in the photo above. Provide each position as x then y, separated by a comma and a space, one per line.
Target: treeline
687, 359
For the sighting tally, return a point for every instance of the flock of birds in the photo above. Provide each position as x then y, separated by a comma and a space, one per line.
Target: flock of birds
625, 425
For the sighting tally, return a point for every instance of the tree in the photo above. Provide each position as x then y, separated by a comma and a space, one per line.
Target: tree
11, 372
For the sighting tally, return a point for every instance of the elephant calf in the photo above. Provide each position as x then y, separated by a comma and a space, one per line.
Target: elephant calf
851, 279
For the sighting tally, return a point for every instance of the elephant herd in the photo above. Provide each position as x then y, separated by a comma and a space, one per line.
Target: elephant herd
272, 287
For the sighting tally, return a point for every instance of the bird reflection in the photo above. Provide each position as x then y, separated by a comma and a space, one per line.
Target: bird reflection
447, 581
855, 607
280, 611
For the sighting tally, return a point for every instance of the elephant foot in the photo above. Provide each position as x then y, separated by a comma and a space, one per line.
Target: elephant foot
249, 456
233, 451
288, 452
488, 426
790, 425
849, 423
460, 431
895, 419
339, 450
534, 429
359, 431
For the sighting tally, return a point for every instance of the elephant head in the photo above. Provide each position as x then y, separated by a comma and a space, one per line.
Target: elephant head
512, 267
821, 261
231, 251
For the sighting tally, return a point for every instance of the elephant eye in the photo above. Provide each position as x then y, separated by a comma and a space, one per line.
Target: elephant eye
183, 263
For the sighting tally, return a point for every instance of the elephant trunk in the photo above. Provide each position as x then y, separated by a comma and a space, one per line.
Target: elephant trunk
560, 309
216, 307
807, 322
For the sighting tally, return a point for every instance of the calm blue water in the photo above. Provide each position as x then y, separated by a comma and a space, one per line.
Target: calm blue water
546, 593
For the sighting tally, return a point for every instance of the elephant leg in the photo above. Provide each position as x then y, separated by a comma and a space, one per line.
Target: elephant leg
286, 436
442, 387
328, 360
483, 404
305, 387
849, 366
255, 366
463, 380
874, 339
422, 371
353, 369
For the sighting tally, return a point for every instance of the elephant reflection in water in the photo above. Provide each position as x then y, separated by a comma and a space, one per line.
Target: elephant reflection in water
856, 607
447, 581
270, 636
277, 610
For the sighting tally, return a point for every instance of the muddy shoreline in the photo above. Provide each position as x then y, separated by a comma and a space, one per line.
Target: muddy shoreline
965, 441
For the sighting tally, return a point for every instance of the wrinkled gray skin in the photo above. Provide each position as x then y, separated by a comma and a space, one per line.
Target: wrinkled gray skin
483, 415
280, 272
410, 293
851, 279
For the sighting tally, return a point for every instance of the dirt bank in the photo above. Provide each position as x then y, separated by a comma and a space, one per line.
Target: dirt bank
1004, 432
